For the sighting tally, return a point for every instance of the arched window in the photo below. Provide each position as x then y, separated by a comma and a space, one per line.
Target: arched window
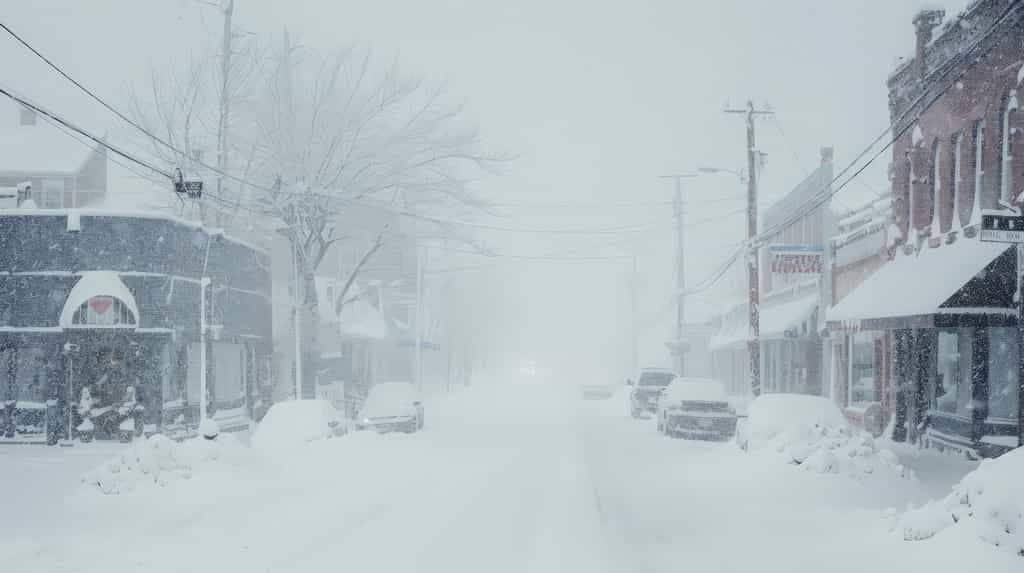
103, 311
936, 182
1008, 126
978, 162
954, 194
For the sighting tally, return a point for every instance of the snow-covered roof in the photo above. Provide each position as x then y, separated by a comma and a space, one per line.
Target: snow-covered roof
916, 284
133, 213
40, 149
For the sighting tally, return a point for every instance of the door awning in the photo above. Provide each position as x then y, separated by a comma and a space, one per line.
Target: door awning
966, 277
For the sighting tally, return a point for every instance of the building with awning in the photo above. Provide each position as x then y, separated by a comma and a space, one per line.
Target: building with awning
940, 322
106, 304
924, 331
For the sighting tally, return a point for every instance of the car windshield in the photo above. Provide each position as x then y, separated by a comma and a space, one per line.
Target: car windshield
655, 378
448, 286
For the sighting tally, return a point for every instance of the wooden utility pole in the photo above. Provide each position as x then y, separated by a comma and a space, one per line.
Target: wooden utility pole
677, 202
753, 271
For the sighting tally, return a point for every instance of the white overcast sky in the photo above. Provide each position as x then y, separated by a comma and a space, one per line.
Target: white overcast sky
596, 99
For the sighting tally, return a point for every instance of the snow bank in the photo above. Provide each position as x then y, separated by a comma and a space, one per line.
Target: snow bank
158, 461
811, 432
295, 423
988, 503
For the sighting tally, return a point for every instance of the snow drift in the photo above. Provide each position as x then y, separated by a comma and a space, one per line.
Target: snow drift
988, 504
158, 461
811, 432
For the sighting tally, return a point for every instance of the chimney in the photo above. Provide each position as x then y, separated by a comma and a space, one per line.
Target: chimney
826, 155
924, 25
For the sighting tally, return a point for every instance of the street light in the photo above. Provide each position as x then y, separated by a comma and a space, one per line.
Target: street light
715, 170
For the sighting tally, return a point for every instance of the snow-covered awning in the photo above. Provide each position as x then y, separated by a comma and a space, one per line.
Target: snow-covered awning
100, 300
734, 330
931, 281
777, 318
360, 319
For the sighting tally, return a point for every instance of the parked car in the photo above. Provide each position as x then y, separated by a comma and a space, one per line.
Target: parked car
643, 400
696, 408
597, 391
294, 423
391, 407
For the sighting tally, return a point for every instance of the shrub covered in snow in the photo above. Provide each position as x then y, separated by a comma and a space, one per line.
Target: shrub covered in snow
158, 461
988, 502
811, 432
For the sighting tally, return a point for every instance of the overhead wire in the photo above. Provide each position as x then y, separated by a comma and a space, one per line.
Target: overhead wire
830, 190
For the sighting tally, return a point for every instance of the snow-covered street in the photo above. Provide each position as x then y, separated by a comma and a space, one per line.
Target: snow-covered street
519, 477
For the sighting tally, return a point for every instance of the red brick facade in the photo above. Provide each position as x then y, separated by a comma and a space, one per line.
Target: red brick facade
988, 79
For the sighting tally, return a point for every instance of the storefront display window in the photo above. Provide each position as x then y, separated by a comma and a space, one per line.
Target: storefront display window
952, 388
1002, 374
863, 385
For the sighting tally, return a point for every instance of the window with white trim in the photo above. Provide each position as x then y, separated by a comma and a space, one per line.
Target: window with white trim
1008, 129
954, 195
979, 167
936, 186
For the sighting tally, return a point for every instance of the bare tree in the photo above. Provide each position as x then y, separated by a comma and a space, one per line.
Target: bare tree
333, 131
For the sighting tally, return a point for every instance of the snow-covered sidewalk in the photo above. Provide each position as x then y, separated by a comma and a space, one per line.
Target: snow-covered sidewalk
518, 477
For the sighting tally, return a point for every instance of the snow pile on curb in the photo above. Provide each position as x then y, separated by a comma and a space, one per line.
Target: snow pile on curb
988, 502
811, 432
158, 461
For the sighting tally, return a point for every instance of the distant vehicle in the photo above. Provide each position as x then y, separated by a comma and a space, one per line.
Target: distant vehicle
696, 408
391, 407
643, 400
597, 391
295, 423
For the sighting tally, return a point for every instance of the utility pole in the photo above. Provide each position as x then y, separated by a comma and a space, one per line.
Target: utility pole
418, 353
225, 98
298, 323
635, 359
677, 204
753, 271
204, 285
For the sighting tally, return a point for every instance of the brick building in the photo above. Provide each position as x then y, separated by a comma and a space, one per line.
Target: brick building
943, 303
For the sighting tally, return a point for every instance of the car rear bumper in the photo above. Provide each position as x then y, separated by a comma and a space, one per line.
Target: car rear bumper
702, 426
389, 426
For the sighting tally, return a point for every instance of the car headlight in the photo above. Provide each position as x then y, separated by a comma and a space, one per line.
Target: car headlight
366, 421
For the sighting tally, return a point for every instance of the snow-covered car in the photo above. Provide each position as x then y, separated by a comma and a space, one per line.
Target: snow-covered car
391, 407
643, 399
297, 422
788, 419
696, 408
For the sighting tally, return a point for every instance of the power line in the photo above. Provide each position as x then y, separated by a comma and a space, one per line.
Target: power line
127, 119
828, 192
84, 133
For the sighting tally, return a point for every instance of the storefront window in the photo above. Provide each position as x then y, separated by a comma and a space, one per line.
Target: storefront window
31, 377
863, 387
1002, 373
952, 394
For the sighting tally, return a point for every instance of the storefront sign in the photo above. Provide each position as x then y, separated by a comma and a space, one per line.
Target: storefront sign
1000, 227
795, 263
